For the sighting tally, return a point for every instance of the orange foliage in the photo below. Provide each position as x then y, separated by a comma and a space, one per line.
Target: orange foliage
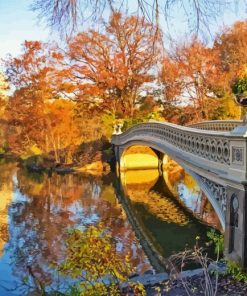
110, 67
62, 134
38, 116
232, 44
191, 76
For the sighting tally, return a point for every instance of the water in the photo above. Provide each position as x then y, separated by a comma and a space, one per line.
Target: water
148, 214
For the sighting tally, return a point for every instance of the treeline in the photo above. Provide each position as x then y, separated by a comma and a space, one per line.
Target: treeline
63, 97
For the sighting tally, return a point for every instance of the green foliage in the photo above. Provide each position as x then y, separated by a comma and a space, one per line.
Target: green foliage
33, 160
217, 240
232, 267
131, 121
240, 85
92, 258
236, 271
109, 151
108, 121
2, 150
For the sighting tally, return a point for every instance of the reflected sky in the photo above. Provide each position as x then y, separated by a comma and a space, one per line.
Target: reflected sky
185, 188
142, 207
39, 211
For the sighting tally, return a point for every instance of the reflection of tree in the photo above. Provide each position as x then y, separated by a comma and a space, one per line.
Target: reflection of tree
48, 207
208, 213
185, 187
6, 192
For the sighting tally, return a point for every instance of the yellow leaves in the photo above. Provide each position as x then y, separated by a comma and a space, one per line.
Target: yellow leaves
3, 87
30, 151
141, 180
35, 150
92, 255
139, 161
108, 194
230, 109
120, 276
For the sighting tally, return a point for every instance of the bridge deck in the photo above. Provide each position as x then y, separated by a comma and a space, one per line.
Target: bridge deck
222, 153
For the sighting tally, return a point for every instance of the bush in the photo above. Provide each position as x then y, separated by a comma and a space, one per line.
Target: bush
240, 85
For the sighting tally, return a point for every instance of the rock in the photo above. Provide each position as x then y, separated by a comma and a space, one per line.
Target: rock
190, 273
94, 168
148, 279
221, 267
64, 170
133, 275
149, 272
106, 167
34, 168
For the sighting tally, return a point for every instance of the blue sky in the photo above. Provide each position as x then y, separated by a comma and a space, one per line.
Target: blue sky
19, 23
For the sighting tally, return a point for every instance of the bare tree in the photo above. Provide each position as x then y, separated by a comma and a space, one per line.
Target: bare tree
66, 15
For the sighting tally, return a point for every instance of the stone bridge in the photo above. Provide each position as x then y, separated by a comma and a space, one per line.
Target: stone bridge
215, 154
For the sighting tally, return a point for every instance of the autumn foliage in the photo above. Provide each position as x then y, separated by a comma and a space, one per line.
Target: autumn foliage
110, 67
62, 97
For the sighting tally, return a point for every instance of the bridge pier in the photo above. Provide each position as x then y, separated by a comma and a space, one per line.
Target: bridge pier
118, 150
236, 225
160, 156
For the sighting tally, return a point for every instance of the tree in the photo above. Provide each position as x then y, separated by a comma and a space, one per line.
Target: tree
30, 74
192, 76
40, 119
109, 68
63, 135
231, 44
67, 15
3, 87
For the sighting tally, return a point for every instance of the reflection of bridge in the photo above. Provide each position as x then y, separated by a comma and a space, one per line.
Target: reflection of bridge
215, 154
146, 242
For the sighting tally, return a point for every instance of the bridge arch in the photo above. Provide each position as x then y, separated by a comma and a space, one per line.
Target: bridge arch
209, 188
138, 157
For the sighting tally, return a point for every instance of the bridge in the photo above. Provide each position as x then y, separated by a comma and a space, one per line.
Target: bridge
215, 154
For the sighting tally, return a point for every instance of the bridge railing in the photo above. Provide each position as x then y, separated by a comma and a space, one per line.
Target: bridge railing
217, 125
222, 149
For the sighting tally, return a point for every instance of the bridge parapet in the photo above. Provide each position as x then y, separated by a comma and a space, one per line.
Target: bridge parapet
223, 153
217, 125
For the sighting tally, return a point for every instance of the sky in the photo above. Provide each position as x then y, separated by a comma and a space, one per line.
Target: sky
19, 23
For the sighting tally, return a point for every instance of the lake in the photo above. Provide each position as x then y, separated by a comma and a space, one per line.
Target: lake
149, 213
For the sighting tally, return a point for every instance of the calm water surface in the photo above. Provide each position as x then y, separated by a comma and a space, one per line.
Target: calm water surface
149, 213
